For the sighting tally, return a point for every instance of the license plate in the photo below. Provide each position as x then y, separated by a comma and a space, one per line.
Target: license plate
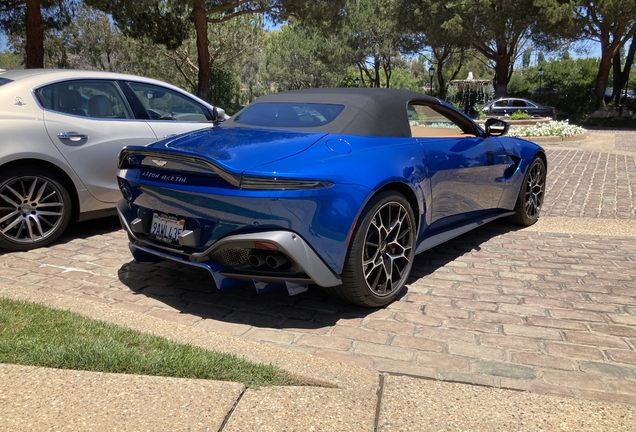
166, 228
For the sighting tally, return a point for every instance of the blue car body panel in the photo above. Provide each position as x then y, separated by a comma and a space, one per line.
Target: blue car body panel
228, 184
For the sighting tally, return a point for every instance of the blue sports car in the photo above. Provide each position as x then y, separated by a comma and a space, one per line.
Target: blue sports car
339, 188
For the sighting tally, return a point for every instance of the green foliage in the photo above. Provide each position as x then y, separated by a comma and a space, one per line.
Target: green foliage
333, 43
232, 108
610, 123
402, 78
224, 87
372, 33
55, 15
9, 60
37, 336
566, 84
520, 115
301, 57
164, 22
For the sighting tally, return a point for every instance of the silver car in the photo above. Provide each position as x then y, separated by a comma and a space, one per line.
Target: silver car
61, 132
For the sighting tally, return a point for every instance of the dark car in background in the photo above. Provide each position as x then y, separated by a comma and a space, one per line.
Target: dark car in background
508, 105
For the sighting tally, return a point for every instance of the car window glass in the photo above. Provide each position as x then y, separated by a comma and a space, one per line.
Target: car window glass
86, 98
164, 104
425, 121
501, 103
289, 114
518, 103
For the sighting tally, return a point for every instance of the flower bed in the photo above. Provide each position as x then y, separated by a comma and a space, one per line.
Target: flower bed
552, 129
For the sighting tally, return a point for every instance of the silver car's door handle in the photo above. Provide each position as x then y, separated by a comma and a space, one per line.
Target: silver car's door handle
73, 136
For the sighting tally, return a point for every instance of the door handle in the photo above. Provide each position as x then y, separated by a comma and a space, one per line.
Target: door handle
72, 136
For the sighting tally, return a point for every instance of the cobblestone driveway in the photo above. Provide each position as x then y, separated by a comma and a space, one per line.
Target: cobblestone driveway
550, 311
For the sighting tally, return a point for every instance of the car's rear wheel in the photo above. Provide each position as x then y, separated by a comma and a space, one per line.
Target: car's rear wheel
35, 208
531, 194
381, 253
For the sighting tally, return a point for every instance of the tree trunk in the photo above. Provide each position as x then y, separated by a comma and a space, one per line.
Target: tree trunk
501, 75
34, 35
616, 72
621, 78
203, 52
601, 78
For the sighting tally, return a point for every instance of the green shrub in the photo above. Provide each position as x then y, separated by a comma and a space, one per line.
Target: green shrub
520, 115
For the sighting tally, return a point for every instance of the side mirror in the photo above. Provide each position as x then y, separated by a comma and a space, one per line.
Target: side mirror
215, 114
496, 127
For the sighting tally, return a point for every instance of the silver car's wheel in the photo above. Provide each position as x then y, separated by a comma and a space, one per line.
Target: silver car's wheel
35, 208
381, 253
531, 194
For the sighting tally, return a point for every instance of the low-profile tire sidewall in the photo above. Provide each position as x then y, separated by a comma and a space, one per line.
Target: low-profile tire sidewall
354, 284
521, 217
13, 173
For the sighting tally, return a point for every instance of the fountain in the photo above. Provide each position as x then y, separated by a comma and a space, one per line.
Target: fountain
468, 92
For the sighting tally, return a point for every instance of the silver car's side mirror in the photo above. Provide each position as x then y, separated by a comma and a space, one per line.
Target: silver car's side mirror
496, 127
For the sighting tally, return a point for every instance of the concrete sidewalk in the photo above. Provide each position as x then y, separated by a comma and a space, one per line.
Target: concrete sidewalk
38, 399
550, 309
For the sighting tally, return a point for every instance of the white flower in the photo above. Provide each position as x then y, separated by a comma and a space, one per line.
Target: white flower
554, 128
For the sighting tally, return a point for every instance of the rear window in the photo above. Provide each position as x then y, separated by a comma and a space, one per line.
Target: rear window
4, 81
300, 115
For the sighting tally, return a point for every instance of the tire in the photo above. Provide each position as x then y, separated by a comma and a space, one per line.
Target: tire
35, 208
381, 253
531, 194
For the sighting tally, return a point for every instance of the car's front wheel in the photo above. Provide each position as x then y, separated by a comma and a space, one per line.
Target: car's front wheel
531, 194
35, 208
381, 253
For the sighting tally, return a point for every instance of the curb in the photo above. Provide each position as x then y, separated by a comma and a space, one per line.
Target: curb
552, 139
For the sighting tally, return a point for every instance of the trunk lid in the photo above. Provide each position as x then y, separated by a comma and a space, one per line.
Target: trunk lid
239, 149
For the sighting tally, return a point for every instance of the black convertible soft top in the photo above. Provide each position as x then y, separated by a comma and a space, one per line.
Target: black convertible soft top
367, 111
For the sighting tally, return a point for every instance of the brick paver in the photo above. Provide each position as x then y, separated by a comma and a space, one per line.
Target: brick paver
501, 306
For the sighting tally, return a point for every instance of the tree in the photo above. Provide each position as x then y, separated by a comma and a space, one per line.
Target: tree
30, 19
169, 21
501, 29
612, 23
9, 60
230, 43
372, 33
525, 58
89, 42
570, 82
621, 77
427, 23
302, 57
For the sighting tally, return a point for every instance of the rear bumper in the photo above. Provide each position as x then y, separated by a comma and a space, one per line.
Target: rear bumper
306, 266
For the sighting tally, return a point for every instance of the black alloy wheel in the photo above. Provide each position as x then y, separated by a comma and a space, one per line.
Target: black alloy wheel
381, 253
531, 194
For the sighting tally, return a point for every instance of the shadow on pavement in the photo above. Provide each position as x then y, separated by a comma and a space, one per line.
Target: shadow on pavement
85, 230
192, 291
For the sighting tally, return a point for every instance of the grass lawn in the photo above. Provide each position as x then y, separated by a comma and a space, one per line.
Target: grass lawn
34, 335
